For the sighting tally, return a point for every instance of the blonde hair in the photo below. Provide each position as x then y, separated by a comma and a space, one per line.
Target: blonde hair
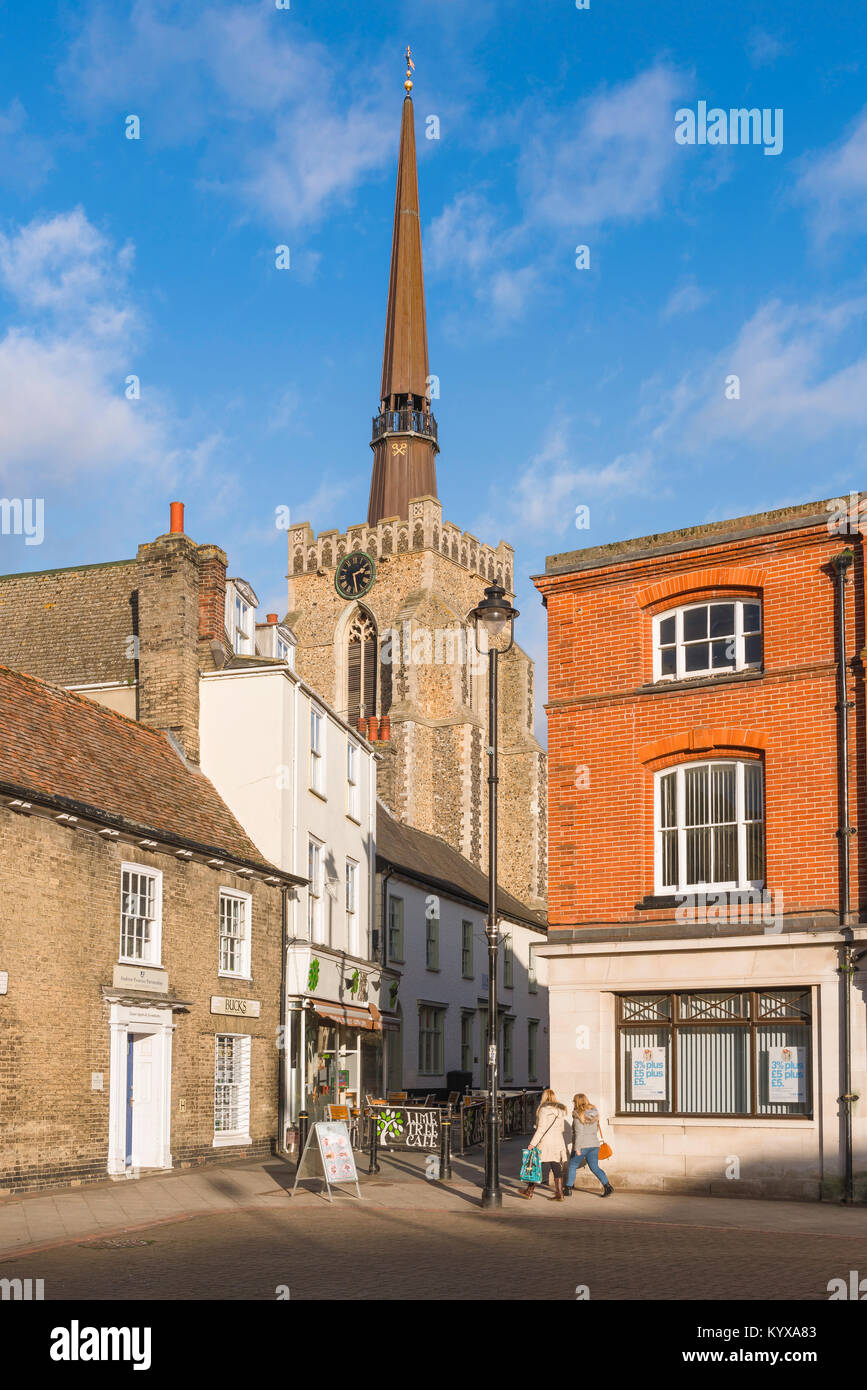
549, 1098
581, 1103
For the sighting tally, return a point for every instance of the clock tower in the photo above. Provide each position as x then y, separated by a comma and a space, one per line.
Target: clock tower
380, 611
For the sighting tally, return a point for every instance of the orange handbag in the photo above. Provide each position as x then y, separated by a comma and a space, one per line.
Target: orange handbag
605, 1151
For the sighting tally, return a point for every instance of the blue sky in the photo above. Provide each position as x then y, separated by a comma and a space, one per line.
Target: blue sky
560, 387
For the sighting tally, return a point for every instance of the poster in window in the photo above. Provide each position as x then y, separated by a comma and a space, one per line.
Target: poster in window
787, 1075
648, 1073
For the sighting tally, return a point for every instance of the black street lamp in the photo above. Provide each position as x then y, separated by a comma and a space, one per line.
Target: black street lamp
494, 616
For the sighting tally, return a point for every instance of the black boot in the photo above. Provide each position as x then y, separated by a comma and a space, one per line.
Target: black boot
608, 1190
567, 1192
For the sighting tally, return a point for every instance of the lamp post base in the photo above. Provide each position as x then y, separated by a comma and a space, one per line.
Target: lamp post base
491, 1197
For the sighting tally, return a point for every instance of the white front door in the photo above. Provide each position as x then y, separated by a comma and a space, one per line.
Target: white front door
145, 1101
140, 1102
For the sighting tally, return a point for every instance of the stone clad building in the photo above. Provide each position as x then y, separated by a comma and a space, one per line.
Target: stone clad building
708, 862
141, 963
380, 611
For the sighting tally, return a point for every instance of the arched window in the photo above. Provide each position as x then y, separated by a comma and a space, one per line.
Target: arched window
706, 639
709, 822
361, 664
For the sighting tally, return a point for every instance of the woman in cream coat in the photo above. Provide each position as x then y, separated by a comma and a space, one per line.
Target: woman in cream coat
549, 1140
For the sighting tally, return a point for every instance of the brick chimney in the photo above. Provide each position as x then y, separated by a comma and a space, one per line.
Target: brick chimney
212, 593
168, 607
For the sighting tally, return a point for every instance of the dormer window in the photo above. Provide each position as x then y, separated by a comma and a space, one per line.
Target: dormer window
275, 640
706, 639
242, 641
241, 604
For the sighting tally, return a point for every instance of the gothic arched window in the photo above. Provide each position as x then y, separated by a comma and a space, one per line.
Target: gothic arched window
361, 664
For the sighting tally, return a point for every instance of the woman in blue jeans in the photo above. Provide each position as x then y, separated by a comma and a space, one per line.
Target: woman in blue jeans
586, 1140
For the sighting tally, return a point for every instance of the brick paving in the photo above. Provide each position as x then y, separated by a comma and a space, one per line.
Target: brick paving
410, 1238
535, 1251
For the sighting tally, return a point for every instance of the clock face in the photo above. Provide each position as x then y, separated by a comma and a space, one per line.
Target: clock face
355, 575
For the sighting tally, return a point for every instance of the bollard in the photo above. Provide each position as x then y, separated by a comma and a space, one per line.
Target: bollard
303, 1131
446, 1157
373, 1167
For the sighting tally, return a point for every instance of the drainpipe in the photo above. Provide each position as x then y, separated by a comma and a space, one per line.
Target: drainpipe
282, 1109
383, 952
845, 831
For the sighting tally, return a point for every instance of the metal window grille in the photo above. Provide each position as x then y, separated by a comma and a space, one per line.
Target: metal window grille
231, 1084
138, 915
716, 1045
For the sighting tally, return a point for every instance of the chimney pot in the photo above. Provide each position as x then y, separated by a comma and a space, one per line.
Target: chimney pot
272, 618
176, 513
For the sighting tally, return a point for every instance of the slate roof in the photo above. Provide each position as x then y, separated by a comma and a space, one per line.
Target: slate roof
430, 859
58, 748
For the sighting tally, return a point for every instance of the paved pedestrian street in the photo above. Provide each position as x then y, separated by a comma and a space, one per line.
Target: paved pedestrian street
167, 1237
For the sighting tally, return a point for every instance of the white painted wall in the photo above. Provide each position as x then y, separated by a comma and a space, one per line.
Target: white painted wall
448, 986
254, 729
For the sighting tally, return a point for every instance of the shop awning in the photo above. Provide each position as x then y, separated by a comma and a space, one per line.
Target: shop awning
350, 1015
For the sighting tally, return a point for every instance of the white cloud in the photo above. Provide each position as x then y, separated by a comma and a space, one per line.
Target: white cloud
471, 241
688, 298
25, 159
546, 493
65, 266
764, 49
833, 184
279, 134
64, 361
609, 158
789, 393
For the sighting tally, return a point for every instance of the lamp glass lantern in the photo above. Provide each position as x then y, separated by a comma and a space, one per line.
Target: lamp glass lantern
493, 614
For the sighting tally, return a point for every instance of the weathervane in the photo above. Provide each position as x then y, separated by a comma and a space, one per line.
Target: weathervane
410, 69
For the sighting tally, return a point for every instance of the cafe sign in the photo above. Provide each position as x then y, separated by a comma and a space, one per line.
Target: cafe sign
241, 1008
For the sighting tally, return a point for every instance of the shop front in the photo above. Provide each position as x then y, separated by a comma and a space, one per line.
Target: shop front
334, 1030
716, 1064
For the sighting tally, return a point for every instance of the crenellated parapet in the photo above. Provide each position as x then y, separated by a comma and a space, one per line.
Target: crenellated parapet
424, 530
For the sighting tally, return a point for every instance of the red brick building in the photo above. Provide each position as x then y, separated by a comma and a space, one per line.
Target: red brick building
700, 821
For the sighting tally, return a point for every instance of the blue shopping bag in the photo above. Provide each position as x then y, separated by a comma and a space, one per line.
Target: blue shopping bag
531, 1166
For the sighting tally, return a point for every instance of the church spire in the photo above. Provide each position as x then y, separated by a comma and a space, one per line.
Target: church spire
404, 438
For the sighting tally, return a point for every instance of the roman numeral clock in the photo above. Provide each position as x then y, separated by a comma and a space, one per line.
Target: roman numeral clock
355, 575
